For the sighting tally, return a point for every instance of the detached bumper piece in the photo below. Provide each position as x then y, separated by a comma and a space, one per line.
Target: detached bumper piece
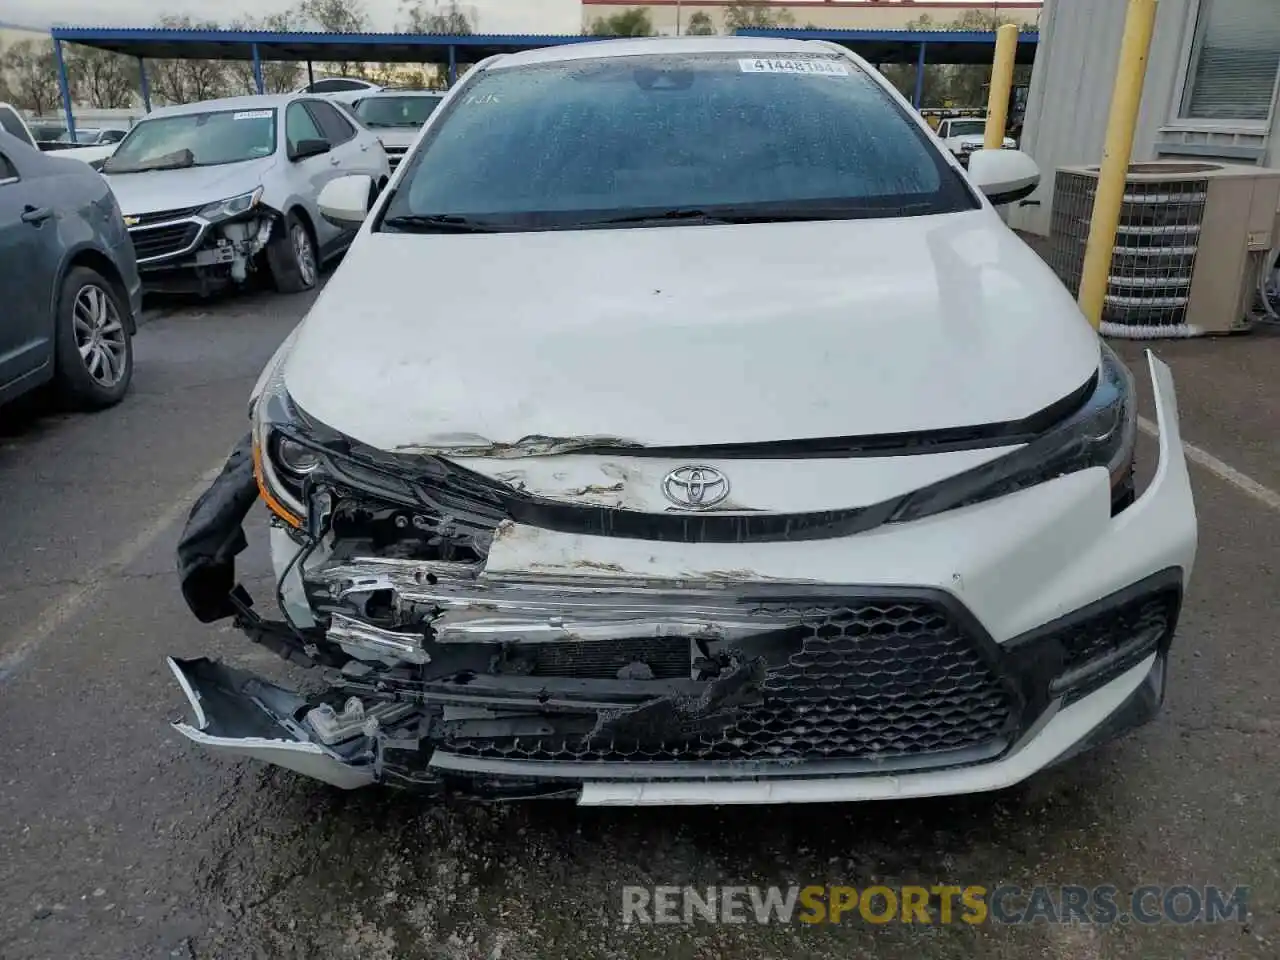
442, 678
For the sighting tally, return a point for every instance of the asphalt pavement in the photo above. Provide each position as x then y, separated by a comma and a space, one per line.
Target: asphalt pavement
120, 840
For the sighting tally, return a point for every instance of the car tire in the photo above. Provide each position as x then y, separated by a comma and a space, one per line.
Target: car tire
291, 255
92, 343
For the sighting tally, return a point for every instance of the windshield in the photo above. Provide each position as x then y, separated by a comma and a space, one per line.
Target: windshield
680, 137
196, 140
396, 111
83, 135
968, 128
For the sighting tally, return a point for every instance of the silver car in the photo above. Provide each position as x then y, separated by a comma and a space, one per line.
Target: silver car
214, 191
395, 116
67, 279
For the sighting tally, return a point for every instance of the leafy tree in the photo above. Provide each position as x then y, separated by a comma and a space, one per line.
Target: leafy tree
628, 23
754, 15
700, 25
31, 75
100, 78
423, 20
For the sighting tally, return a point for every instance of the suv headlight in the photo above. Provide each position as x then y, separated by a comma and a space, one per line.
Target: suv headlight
1101, 433
232, 207
281, 464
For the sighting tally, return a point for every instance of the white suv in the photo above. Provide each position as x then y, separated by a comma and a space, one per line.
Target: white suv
213, 191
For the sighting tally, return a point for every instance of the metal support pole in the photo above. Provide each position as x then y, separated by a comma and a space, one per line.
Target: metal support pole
257, 71
144, 85
1001, 86
453, 65
64, 89
918, 97
1108, 202
311, 77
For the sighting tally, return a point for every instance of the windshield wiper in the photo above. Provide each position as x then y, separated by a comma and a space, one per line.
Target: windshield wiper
177, 160
748, 215
440, 223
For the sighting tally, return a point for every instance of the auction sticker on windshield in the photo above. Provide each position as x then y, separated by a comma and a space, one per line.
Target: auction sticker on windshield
253, 115
826, 68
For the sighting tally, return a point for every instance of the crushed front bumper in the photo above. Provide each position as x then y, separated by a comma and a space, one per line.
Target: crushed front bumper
626, 672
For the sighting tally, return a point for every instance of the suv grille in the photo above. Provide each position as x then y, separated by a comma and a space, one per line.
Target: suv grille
163, 241
395, 155
874, 681
160, 216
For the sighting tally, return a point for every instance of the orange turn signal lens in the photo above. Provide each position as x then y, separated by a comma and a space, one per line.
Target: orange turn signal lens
274, 505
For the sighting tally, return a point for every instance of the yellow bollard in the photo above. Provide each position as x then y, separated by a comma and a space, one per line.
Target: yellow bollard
1001, 86
1108, 202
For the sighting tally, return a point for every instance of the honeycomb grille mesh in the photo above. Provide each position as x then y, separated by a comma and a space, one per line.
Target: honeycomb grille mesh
1149, 286
1107, 633
873, 681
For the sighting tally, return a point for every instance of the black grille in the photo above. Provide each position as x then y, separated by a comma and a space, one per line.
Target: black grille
1108, 633
667, 658
395, 155
162, 241
869, 682
160, 216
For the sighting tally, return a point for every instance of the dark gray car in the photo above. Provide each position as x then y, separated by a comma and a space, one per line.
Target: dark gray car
68, 280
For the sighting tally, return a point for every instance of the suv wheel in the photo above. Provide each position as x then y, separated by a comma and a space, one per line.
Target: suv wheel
94, 349
292, 256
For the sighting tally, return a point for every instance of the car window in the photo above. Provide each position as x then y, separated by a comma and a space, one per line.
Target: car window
408, 112
10, 122
299, 125
7, 170
560, 144
335, 127
112, 136
337, 85
967, 128
196, 140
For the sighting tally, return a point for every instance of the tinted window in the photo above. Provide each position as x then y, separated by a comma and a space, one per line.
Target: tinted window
7, 170
376, 111
299, 125
196, 139
569, 142
335, 127
11, 123
112, 136
337, 85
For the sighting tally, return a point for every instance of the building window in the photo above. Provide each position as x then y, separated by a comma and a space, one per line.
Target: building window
1234, 61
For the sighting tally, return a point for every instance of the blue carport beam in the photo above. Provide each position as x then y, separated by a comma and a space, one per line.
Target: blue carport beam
919, 92
453, 65
257, 71
64, 89
144, 86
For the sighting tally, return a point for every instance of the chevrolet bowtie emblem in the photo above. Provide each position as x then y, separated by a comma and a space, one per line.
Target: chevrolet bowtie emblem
131, 221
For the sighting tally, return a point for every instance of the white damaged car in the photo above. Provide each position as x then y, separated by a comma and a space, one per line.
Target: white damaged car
741, 455
213, 191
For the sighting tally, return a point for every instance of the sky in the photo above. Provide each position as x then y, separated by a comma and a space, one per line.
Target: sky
492, 16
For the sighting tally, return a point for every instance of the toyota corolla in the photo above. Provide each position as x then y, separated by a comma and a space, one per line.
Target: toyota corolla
686, 426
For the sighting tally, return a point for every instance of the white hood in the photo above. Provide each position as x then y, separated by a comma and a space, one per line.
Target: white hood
154, 190
688, 335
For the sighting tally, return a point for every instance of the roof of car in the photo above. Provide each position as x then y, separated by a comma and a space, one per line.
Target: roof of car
640, 46
265, 102
398, 92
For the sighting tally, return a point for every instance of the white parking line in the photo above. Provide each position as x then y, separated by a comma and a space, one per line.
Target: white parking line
1223, 471
57, 614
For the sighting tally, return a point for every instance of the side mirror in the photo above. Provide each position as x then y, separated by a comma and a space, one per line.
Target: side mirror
344, 202
309, 148
1005, 176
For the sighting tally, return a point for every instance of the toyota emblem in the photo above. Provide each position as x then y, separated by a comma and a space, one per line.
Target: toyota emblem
695, 487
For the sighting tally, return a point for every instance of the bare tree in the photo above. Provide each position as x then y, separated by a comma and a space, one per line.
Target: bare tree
437, 18
188, 81
31, 75
100, 78
627, 23
336, 16
278, 76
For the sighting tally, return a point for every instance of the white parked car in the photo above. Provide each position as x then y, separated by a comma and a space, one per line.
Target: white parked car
212, 191
685, 426
395, 116
964, 136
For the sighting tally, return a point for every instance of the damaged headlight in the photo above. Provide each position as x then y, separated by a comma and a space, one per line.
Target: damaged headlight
280, 463
1102, 433
232, 207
